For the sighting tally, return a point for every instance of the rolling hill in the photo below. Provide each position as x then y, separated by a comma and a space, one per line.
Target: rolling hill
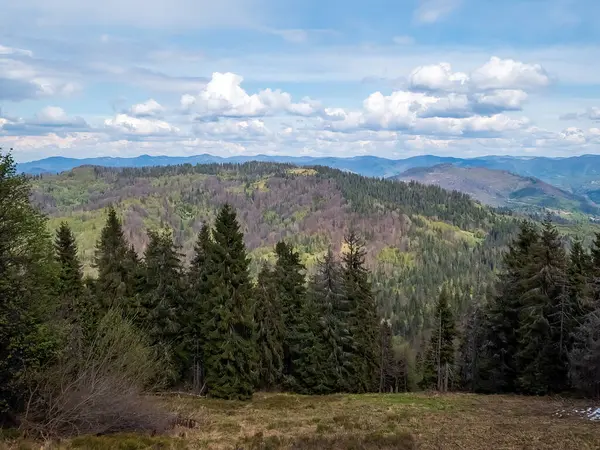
578, 174
500, 188
417, 236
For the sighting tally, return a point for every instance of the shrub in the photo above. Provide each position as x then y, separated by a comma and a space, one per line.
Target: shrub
100, 386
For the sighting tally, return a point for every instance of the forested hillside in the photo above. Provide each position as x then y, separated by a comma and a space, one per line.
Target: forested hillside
502, 188
417, 237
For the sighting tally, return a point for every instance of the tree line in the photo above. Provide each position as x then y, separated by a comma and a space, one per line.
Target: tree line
219, 331
536, 332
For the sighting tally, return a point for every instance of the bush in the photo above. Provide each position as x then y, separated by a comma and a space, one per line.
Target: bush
100, 386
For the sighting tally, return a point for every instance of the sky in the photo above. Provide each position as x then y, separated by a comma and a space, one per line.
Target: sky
304, 78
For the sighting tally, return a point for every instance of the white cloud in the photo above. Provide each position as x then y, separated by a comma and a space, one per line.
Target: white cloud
14, 51
224, 96
509, 74
437, 77
504, 99
20, 79
232, 129
431, 11
148, 108
51, 119
124, 124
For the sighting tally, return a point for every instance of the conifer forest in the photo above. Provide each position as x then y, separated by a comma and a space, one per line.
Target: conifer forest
228, 281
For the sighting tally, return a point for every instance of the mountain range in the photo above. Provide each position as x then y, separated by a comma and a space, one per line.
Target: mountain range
577, 178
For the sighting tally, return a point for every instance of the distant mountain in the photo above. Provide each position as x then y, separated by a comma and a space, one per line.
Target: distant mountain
362, 165
500, 188
578, 174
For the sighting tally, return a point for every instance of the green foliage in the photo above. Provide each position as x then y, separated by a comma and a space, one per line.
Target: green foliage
270, 329
439, 358
363, 323
116, 263
229, 350
28, 275
160, 293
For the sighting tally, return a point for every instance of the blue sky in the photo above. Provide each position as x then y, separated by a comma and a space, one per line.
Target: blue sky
328, 77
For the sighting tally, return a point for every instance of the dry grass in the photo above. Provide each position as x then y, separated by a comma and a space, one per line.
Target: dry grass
367, 422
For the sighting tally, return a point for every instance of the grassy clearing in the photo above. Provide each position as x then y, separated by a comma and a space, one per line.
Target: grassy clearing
402, 421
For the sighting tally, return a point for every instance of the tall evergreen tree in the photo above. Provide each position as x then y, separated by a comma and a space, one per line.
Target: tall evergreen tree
195, 315
546, 322
326, 290
363, 317
116, 262
161, 294
28, 276
291, 291
498, 369
77, 304
270, 330
230, 350
439, 358
71, 275
580, 283
387, 363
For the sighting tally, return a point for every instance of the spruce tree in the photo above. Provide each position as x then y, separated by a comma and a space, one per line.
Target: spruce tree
195, 315
28, 275
291, 292
161, 294
270, 330
230, 349
498, 368
77, 304
363, 323
116, 263
546, 317
580, 283
326, 290
387, 362
439, 358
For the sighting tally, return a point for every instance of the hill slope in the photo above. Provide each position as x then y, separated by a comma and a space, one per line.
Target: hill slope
499, 188
577, 174
417, 236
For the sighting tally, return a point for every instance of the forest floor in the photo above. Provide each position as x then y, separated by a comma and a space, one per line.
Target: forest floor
390, 421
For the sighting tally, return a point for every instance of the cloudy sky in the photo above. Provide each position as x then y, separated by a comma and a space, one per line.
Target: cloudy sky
313, 77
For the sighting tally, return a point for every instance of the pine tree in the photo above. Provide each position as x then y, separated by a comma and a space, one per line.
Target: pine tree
116, 263
498, 368
439, 358
161, 294
230, 350
363, 318
326, 290
28, 275
546, 318
291, 292
270, 330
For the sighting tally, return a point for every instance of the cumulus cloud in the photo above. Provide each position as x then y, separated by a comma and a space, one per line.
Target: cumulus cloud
149, 108
500, 100
224, 96
437, 77
421, 113
140, 127
500, 73
232, 129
